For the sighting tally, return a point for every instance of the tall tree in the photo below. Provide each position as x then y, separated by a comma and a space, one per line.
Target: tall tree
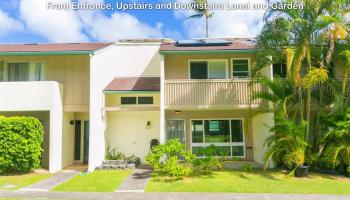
297, 37
202, 11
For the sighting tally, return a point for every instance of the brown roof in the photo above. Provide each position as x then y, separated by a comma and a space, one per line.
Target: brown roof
134, 84
237, 44
52, 47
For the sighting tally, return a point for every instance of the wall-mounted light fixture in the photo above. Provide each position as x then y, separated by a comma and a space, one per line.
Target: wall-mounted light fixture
177, 111
148, 124
71, 122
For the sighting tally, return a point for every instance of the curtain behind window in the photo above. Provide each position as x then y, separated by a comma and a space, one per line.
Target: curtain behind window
18, 72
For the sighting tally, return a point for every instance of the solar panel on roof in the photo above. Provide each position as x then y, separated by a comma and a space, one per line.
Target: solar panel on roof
189, 43
216, 42
203, 42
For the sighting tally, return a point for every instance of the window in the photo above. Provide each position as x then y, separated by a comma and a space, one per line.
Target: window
217, 130
280, 70
26, 71
136, 100
225, 134
199, 70
1, 71
240, 68
145, 100
214, 69
128, 100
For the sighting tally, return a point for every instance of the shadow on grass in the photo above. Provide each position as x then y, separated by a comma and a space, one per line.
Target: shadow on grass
156, 177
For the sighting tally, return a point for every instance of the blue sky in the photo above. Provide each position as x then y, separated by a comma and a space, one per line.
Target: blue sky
25, 21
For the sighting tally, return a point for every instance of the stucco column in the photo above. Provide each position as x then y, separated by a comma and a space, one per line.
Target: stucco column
262, 124
56, 123
261, 130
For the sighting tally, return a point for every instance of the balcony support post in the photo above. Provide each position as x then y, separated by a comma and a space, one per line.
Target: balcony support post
162, 137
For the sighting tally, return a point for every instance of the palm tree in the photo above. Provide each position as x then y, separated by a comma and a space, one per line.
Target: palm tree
279, 92
344, 60
201, 11
287, 146
300, 33
338, 141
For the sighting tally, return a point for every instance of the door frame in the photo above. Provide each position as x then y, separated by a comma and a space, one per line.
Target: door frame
86, 138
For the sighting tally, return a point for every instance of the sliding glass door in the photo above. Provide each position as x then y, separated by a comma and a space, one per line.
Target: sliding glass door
175, 129
226, 134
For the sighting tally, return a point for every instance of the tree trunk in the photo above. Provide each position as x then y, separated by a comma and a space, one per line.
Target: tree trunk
308, 99
330, 51
206, 25
345, 80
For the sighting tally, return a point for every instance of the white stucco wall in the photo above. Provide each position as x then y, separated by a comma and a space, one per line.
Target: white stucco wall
38, 96
128, 131
67, 139
261, 125
120, 60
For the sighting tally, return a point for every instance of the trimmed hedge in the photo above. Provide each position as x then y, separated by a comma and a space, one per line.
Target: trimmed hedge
21, 141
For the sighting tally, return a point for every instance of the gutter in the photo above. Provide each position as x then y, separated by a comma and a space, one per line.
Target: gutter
129, 92
47, 53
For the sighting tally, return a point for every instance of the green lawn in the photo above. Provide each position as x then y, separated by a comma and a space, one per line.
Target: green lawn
16, 181
97, 181
254, 182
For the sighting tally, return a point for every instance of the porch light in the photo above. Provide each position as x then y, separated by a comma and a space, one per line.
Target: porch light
177, 111
148, 124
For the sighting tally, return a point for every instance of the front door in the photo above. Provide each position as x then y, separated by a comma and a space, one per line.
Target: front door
77, 140
86, 142
175, 129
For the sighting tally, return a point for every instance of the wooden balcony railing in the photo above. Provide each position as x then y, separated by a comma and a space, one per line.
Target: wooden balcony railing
211, 93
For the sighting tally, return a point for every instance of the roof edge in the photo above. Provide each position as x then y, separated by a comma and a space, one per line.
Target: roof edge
30, 53
208, 51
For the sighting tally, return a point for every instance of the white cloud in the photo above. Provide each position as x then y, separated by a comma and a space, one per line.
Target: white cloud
224, 23
54, 25
118, 26
8, 24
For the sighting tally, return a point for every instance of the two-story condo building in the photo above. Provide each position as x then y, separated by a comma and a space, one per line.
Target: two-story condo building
94, 96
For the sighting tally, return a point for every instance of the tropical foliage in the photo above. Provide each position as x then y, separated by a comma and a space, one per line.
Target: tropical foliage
171, 159
313, 44
202, 11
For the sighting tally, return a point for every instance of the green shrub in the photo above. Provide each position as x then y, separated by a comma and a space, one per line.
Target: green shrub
247, 167
114, 154
21, 141
210, 162
133, 160
171, 159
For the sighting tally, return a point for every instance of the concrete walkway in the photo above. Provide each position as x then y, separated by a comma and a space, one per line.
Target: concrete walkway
51, 182
164, 196
136, 182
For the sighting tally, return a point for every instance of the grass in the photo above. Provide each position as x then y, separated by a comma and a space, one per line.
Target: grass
97, 181
16, 181
257, 181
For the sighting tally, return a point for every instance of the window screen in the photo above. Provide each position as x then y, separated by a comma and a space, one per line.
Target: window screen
18, 72
240, 68
280, 70
128, 100
237, 130
145, 100
198, 70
